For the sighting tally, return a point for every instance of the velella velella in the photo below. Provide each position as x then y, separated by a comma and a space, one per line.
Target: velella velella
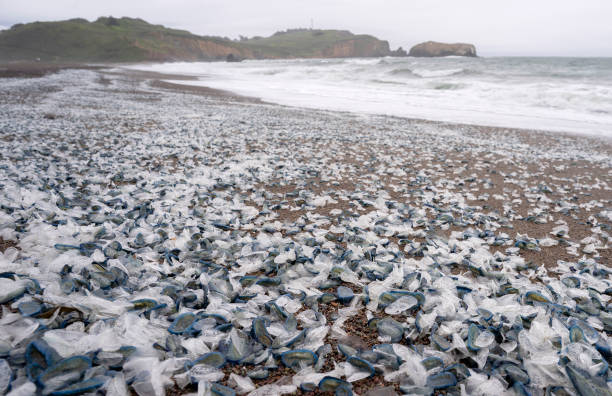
183, 324
298, 358
245, 250
443, 380
213, 359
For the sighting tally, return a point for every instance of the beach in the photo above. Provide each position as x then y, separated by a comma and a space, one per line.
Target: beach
455, 204
535, 93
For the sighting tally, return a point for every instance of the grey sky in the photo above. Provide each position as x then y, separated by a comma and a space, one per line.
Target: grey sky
496, 27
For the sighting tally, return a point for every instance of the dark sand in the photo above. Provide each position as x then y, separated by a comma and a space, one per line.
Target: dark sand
39, 69
6, 244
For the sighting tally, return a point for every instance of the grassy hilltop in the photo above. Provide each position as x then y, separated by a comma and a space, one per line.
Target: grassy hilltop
107, 39
111, 39
306, 43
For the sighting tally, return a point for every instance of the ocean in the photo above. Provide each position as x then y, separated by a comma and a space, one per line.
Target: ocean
556, 94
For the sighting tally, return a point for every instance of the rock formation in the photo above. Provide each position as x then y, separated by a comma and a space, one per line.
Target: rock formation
432, 49
359, 47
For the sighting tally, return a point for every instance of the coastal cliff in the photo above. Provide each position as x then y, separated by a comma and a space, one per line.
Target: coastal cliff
314, 43
192, 49
365, 47
111, 39
435, 49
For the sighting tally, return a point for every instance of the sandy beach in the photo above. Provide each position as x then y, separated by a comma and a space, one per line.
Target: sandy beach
533, 204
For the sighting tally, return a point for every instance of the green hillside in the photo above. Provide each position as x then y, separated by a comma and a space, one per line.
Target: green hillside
111, 39
107, 39
305, 43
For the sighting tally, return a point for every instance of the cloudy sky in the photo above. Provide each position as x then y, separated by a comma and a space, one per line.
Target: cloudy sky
496, 27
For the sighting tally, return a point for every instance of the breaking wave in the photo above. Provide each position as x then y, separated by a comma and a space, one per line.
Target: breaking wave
565, 94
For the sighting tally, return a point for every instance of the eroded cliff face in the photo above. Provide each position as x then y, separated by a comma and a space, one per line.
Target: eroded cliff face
433, 49
357, 48
191, 49
211, 50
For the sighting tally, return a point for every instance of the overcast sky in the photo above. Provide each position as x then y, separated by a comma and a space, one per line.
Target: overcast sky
496, 27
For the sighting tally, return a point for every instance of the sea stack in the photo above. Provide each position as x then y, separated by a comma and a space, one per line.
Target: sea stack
433, 49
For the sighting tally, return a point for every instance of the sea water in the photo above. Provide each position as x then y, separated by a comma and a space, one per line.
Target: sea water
557, 94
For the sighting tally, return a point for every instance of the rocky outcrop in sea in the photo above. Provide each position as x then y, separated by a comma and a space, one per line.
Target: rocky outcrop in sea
435, 49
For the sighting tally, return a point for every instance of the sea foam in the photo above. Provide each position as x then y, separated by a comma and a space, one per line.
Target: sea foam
557, 94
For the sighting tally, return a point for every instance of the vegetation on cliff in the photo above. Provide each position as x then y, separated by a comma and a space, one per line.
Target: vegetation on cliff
111, 39
308, 43
108, 39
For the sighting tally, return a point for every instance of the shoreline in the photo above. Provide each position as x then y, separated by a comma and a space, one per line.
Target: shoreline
533, 138
552, 141
161, 77
41, 69
200, 188
37, 70
524, 120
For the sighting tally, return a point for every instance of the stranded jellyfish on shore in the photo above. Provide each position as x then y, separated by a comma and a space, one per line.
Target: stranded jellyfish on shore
171, 241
